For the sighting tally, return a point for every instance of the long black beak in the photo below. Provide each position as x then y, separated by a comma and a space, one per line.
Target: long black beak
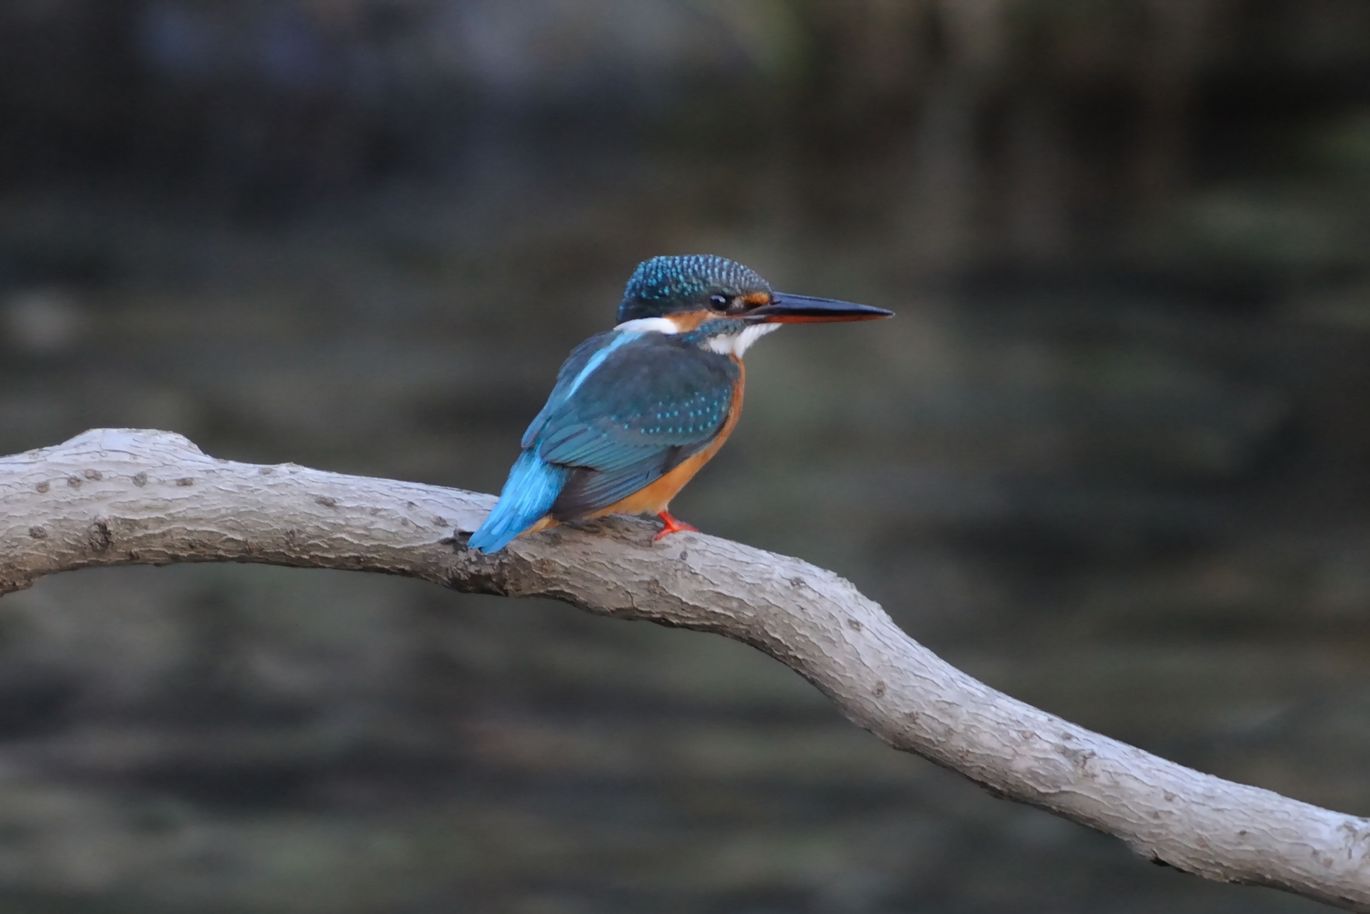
785, 308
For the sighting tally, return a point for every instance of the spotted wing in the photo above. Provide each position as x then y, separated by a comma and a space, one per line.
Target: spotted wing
622, 423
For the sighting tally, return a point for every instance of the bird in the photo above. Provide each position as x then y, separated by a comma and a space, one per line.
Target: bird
637, 411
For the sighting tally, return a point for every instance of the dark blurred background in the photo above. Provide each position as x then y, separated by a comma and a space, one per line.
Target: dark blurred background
1111, 456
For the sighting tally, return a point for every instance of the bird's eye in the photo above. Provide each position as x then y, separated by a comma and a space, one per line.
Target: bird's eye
719, 302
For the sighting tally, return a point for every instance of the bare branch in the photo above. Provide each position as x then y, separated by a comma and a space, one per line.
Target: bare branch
113, 497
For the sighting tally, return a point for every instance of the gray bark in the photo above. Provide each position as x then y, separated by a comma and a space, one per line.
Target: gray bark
113, 497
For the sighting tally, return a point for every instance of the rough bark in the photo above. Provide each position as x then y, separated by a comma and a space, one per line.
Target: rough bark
112, 497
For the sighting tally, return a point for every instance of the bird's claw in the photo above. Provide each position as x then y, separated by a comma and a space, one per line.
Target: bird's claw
669, 525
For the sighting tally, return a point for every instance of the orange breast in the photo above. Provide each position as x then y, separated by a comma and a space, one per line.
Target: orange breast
656, 496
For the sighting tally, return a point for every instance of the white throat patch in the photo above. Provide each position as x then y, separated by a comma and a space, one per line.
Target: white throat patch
649, 325
738, 343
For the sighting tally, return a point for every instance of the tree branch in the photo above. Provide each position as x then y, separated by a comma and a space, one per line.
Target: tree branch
116, 497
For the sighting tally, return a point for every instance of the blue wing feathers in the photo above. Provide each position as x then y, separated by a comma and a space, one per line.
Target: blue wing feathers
588, 490
530, 491
571, 375
626, 409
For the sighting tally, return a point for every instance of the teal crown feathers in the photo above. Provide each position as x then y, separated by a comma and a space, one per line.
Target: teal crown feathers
663, 285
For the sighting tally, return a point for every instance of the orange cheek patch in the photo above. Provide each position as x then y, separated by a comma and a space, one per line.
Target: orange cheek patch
689, 320
757, 299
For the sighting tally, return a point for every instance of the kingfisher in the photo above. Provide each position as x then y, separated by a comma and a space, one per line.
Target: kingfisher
638, 410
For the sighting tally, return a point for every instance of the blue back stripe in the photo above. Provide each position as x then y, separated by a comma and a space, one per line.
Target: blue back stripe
596, 360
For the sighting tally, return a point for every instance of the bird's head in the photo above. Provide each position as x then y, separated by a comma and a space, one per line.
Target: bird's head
725, 304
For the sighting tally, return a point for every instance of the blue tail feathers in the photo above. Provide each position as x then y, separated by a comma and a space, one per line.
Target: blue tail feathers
529, 492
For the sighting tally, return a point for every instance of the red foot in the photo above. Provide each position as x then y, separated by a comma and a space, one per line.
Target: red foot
670, 524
